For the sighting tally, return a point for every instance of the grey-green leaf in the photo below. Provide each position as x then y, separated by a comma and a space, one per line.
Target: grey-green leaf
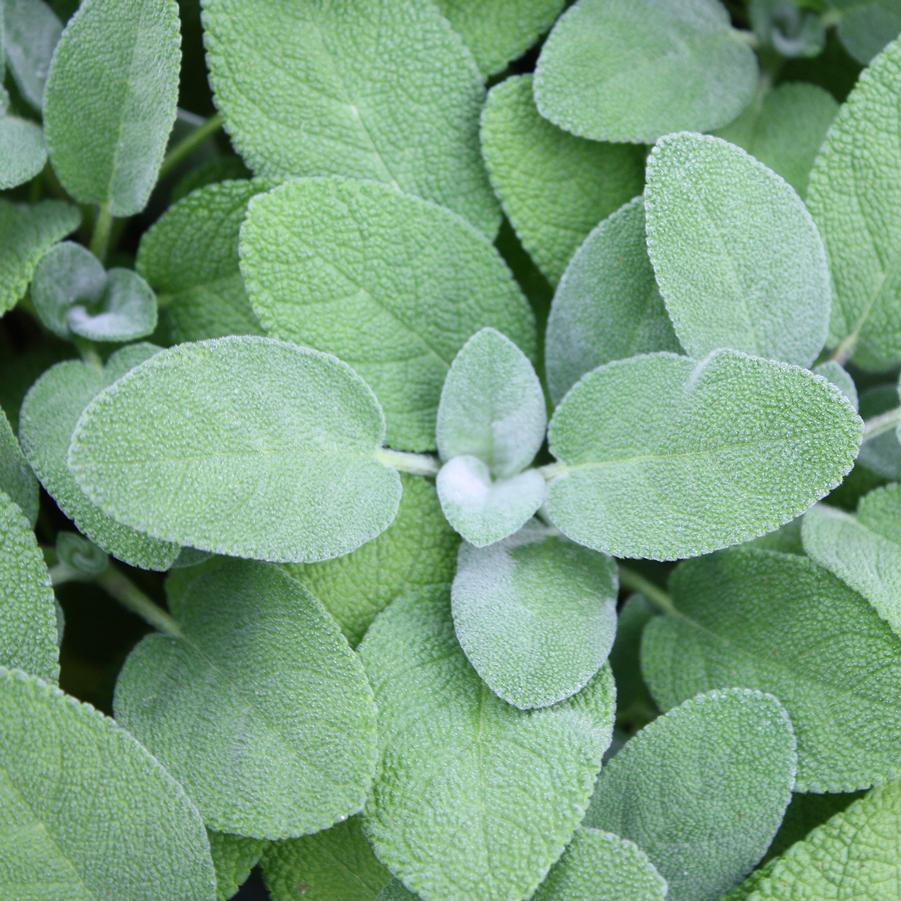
633, 70
535, 615
833, 372
511, 785
264, 667
16, 478
866, 26
390, 283
49, 414
110, 100
31, 30
234, 856
665, 457
780, 623
381, 91
738, 259
881, 454
702, 789
607, 306
66, 273
87, 812
22, 151
553, 186
853, 195
244, 446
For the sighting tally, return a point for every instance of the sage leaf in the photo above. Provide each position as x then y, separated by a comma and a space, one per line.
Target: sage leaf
835, 373
866, 27
633, 700
702, 789
804, 814
665, 457
64, 274
31, 30
82, 557
234, 856
22, 151
16, 478
495, 773
881, 454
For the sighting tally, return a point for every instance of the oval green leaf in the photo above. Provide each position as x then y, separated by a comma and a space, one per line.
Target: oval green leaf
30, 32
22, 151
16, 478
234, 856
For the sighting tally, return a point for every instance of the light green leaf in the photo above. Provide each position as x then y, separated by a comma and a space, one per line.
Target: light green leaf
882, 453
418, 550
786, 539
243, 446
16, 478
738, 259
702, 789
234, 856
31, 30
666, 457
633, 70
110, 100
853, 195
607, 306
484, 510
26, 232
833, 372
28, 636
492, 406
49, 414
82, 557
381, 91
866, 26
87, 812
856, 854
633, 701
599, 864
65, 274
535, 615
213, 170
266, 670
784, 129
336, 863
553, 186
779, 623
22, 151
863, 551
190, 258
511, 785
327, 263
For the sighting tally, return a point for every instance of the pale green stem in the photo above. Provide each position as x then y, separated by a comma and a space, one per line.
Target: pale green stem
551, 471
415, 464
118, 586
882, 423
100, 238
747, 37
843, 352
187, 145
88, 353
60, 574
635, 581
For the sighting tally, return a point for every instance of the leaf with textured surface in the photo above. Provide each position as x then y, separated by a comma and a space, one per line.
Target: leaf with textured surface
28, 635
599, 864
856, 854
418, 550
31, 30
702, 789
511, 785
835, 373
853, 195
234, 856
665, 457
50, 412
244, 446
633, 70
16, 478
804, 814
65, 273
632, 696
553, 186
327, 263
492, 406
780, 623
863, 551
336, 863
866, 27
535, 615
190, 255
266, 670
882, 453
22, 151
87, 812
738, 259
382, 91
607, 306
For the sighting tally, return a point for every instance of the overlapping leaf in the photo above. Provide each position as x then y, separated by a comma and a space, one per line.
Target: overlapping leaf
234, 856
30, 32
22, 151
16, 478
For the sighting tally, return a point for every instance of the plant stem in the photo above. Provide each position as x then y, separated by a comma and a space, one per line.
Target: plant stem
635, 581
118, 586
190, 143
415, 464
746, 37
60, 574
884, 422
88, 353
843, 352
100, 238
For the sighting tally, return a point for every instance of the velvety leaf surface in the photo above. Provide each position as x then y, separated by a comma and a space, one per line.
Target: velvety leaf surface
866, 26
234, 856
16, 478
22, 151
30, 32
835, 373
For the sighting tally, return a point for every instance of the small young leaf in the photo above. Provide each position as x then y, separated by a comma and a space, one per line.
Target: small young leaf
244, 446
607, 306
31, 30
381, 91
234, 856
665, 457
511, 785
863, 551
856, 854
535, 615
738, 259
835, 373
554, 187
28, 637
50, 412
492, 406
853, 195
87, 812
481, 509
266, 669
81, 556
867, 26
16, 478
633, 70
110, 100
702, 789
22, 151
190, 258
882, 453
779, 623
599, 864
329, 263
66, 273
